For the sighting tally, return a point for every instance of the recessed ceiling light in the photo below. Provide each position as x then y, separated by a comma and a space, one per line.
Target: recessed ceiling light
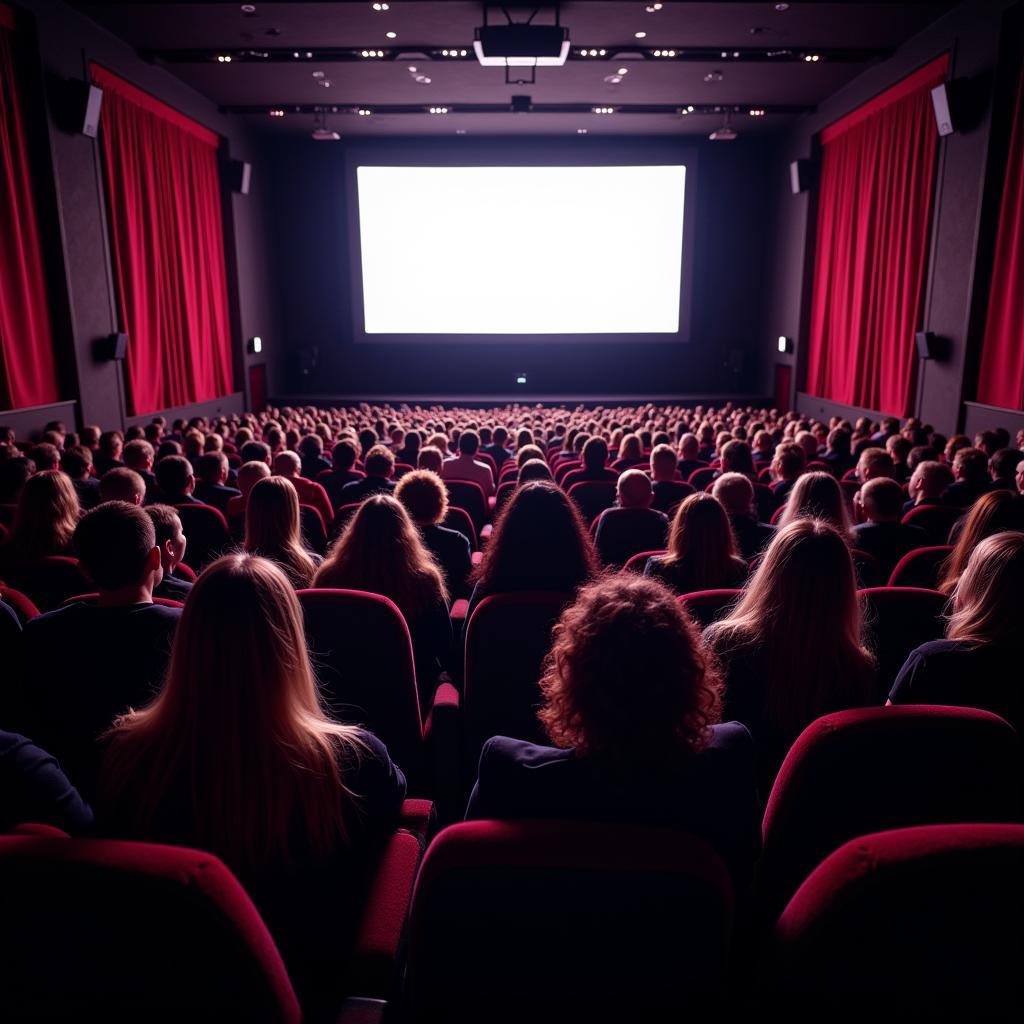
713, 76
460, 131
324, 82
640, 35
364, 111
652, 8
319, 74
391, 35
422, 80
812, 58
581, 131
603, 110
622, 71
756, 112
223, 58
438, 110
248, 8
380, 7
781, 8
613, 79
276, 112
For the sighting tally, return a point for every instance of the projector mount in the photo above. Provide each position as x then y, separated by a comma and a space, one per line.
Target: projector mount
521, 44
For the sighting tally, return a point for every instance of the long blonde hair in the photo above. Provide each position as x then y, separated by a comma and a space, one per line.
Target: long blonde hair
381, 552
992, 513
818, 496
46, 517
987, 598
801, 609
238, 728
273, 529
701, 538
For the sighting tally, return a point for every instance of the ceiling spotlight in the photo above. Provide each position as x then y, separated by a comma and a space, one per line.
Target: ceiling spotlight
460, 131
652, 8
421, 80
613, 79
223, 58
248, 8
364, 111
757, 112
603, 110
581, 131
299, 55
622, 71
276, 112
324, 82
686, 110
639, 35
438, 110
380, 7
713, 76
781, 8
724, 134
325, 135
319, 74
391, 35
664, 53
371, 53
812, 58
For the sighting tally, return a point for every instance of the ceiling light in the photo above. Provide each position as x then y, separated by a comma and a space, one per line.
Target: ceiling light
324, 82
364, 111
724, 134
812, 58
664, 53
781, 8
622, 71
757, 112
713, 76
223, 58
299, 55
325, 135
640, 35
319, 74
391, 35
380, 7
422, 80
438, 110
248, 8
652, 8
581, 131
613, 79
603, 110
460, 131
522, 45
686, 110
276, 112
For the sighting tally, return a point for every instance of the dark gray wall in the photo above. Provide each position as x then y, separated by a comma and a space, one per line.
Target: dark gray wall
731, 213
67, 42
966, 191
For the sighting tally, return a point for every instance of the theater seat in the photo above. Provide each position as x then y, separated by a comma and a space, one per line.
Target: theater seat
917, 924
592, 497
559, 921
24, 608
469, 496
207, 532
871, 769
638, 561
128, 932
935, 520
920, 567
314, 531
707, 606
342, 515
48, 582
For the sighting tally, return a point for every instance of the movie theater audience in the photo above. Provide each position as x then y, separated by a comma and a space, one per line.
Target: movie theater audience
273, 530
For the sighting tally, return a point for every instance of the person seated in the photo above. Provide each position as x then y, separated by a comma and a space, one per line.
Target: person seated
176, 481
34, 789
634, 728
819, 496
139, 456
70, 696
379, 464
899, 449
791, 650
109, 452
1019, 479
594, 457
690, 456
430, 458
170, 539
409, 450
668, 489
311, 453
970, 478
465, 466
343, 472
633, 526
762, 450
45, 456
977, 664
789, 462
533, 469
288, 466
237, 756
1002, 467
927, 484
992, 513
212, 474
631, 453
881, 534
273, 530
702, 553
425, 498
873, 463
14, 471
255, 451
838, 456
76, 463
736, 458
44, 520
380, 551
498, 448
736, 494
249, 474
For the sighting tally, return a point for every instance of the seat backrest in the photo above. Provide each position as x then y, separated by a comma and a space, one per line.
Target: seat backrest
920, 567
507, 638
314, 531
561, 920
912, 924
700, 478
935, 520
626, 531
469, 495
707, 606
23, 607
185, 572
48, 582
115, 931
342, 516
866, 567
458, 519
207, 532
897, 620
872, 769
592, 497
637, 562
767, 502
362, 656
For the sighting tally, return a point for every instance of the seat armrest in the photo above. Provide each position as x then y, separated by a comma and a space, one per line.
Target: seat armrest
361, 1011
460, 608
442, 737
418, 817
485, 534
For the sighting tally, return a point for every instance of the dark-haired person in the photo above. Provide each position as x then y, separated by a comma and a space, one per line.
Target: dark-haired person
13, 474
736, 493
667, 488
1002, 468
170, 539
379, 465
425, 498
927, 484
176, 480
71, 697
311, 452
211, 480
882, 535
702, 553
595, 457
789, 462
140, 456
45, 456
77, 464
977, 665
288, 466
109, 452
633, 526
633, 728
255, 451
237, 756
971, 478
498, 448
344, 457
465, 465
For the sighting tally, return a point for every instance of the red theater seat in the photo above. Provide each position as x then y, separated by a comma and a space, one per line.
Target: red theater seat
567, 921
870, 769
48, 582
917, 924
207, 532
638, 561
23, 607
921, 567
707, 606
701, 478
592, 497
469, 496
935, 520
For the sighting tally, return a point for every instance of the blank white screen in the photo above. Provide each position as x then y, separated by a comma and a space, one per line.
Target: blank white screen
521, 250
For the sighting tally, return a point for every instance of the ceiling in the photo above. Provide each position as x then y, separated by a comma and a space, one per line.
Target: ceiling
292, 58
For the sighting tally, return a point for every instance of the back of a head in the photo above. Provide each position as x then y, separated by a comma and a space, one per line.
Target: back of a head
735, 492
627, 682
595, 454
790, 460
1004, 463
702, 535
874, 462
212, 467
115, 542
932, 478
988, 596
76, 462
469, 442
631, 448
138, 455
111, 443
971, 464
992, 513
663, 462
122, 484
539, 543
255, 451
343, 455
882, 499
818, 495
634, 489
287, 464
533, 469
46, 516
45, 456
166, 522
424, 495
379, 462
737, 458
528, 452
173, 475
272, 516
430, 458
249, 474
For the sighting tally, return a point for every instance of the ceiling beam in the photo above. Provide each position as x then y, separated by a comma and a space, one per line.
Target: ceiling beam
678, 109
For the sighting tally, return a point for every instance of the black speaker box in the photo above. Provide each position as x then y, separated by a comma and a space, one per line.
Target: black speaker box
113, 346
800, 176
239, 174
81, 102
927, 344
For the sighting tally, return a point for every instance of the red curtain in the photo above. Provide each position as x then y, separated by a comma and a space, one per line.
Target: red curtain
163, 192
874, 214
28, 373
1002, 356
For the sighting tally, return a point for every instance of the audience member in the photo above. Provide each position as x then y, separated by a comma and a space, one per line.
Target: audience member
14, 472
170, 539
176, 481
970, 478
311, 453
787, 465
212, 474
873, 463
819, 496
273, 530
123, 484
992, 513
736, 494
668, 489
76, 463
288, 466
140, 457
498, 449
633, 526
465, 466
927, 484
430, 459
44, 520
380, 464
1003, 466
249, 474
109, 451
594, 457
882, 535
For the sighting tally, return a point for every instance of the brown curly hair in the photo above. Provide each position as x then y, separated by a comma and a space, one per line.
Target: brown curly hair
627, 679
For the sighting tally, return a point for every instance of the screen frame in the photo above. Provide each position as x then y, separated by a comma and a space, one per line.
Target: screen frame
534, 152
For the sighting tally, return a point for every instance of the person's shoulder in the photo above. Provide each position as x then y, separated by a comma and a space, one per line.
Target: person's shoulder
57, 620
505, 753
937, 649
731, 736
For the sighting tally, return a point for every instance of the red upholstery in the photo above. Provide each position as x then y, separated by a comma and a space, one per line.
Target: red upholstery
22, 606
185, 572
93, 597
342, 515
401, 468
507, 639
920, 567
469, 496
362, 656
877, 768
700, 478
559, 920
314, 531
935, 520
207, 532
706, 606
918, 924
897, 620
592, 497
458, 519
638, 561
48, 582
113, 931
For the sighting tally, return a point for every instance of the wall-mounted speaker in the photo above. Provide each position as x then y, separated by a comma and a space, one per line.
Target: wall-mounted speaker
113, 346
81, 102
239, 174
799, 176
928, 344
944, 104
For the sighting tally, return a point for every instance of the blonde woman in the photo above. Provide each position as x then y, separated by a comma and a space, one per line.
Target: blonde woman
791, 650
819, 496
273, 529
977, 665
45, 519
